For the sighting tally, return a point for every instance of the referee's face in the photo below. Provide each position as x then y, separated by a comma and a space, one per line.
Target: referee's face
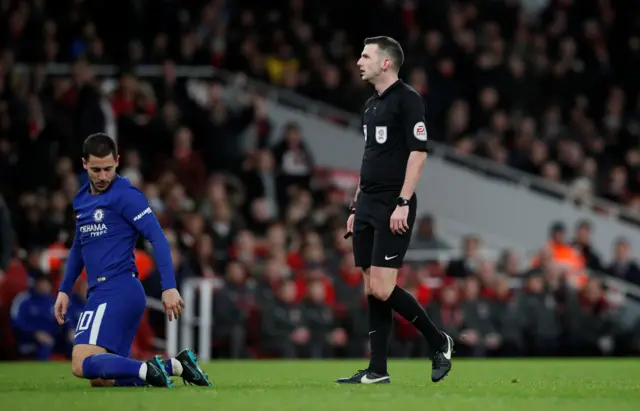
371, 62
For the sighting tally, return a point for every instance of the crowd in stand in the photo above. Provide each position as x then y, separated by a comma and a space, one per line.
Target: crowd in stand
243, 204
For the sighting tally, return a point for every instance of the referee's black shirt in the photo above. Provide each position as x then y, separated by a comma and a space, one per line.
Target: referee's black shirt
393, 126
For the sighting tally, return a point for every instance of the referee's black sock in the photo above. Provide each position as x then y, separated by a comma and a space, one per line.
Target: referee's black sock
380, 322
408, 307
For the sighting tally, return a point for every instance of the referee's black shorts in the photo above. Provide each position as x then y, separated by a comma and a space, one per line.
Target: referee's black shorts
373, 242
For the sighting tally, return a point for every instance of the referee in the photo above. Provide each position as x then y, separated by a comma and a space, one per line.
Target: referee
384, 207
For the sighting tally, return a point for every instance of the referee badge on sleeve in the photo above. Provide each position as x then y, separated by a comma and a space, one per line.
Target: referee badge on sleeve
420, 131
381, 134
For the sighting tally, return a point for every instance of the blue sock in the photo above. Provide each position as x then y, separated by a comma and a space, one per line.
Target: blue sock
168, 367
129, 382
109, 367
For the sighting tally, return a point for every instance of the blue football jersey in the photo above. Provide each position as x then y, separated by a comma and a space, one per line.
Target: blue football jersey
107, 228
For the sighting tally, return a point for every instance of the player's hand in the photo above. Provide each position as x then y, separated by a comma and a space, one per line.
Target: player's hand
172, 303
61, 307
398, 222
350, 221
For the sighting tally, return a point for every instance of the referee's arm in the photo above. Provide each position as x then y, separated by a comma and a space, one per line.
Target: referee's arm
415, 131
355, 196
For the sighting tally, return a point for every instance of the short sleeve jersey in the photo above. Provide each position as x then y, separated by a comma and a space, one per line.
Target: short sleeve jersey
393, 125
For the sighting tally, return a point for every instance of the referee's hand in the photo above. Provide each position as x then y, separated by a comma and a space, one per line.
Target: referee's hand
398, 222
350, 220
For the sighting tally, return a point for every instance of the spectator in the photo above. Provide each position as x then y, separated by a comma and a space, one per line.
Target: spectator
33, 320
539, 321
560, 252
582, 241
509, 264
325, 336
294, 161
446, 312
622, 266
284, 328
504, 319
232, 304
470, 260
426, 237
478, 329
590, 323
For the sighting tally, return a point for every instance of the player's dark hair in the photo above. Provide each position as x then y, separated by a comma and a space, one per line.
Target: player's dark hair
389, 46
99, 145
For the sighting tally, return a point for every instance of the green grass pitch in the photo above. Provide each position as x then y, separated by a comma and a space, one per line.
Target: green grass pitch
486, 385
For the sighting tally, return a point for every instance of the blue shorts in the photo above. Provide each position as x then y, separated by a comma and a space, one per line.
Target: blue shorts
112, 315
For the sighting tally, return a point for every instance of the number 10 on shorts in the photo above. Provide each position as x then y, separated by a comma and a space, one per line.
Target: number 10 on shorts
91, 321
84, 322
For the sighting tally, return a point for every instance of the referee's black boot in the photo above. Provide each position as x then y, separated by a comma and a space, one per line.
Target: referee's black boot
441, 362
365, 377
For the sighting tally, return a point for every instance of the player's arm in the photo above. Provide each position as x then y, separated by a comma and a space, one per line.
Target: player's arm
135, 209
74, 265
415, 131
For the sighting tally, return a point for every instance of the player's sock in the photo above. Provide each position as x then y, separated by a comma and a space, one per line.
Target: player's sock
111, 366
173, 367
380, 322
408, 307
129, 382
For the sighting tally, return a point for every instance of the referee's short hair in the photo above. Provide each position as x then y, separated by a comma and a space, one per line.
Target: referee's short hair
389, 46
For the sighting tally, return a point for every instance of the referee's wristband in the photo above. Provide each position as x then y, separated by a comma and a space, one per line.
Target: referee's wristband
352, 208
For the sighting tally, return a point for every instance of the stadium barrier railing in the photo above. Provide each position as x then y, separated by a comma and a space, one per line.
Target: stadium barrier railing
202, 320
346, 119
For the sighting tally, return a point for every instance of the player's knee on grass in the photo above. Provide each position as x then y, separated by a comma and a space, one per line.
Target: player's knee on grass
382, 281
99, 382
80, 352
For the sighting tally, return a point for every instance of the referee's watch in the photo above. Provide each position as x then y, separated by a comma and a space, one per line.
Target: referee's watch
402, 202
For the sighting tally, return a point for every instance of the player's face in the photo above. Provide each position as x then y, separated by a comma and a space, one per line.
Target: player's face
101, 171
372, 62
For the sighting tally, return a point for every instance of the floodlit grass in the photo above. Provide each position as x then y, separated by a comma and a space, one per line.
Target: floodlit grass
487, 385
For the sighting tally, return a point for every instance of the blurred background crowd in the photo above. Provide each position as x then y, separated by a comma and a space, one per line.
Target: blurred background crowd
546, 86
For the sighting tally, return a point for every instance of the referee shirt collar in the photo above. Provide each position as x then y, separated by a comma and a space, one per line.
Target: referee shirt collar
389, 89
